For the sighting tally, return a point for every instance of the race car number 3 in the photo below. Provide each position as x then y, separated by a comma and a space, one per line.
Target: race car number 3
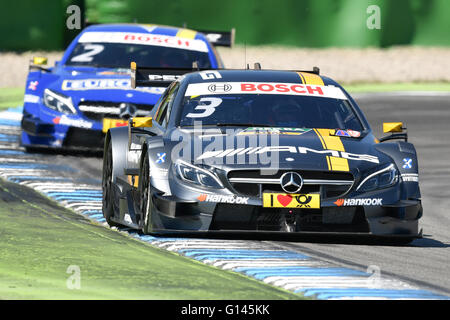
283, 200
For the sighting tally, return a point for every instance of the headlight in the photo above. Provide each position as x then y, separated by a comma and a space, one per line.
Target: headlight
380, 179
196, 175
58, 102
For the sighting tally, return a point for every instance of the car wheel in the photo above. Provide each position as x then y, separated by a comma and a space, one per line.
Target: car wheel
145, 203
107, 187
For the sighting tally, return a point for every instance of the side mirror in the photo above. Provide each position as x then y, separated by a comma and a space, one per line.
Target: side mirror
396, 129
141, 122
392, 127
40, 61
138, 122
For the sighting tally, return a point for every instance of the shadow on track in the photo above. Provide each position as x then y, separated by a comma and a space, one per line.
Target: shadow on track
96, 153
370, 240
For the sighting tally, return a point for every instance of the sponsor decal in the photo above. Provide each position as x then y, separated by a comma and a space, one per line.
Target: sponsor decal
113, 123
92, 84
31, 98
282, 200
164, 77
410, 177
264, 130
222, 198
33, 85
161, 157
345, 133
341, 133
407, 163
64, 120
210, 74
359, 202
103, 84
290, 149
219, 88
144, 39
353, 133
197, 89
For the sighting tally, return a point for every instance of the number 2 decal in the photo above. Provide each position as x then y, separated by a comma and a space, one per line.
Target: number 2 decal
208, 109
92, 50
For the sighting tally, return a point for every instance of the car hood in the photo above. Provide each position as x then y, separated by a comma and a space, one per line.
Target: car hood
306, 149
112, 85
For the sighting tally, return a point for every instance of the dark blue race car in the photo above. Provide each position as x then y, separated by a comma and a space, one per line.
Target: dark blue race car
72, 104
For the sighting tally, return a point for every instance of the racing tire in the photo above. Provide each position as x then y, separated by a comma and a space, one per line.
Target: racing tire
145, 196
107, 186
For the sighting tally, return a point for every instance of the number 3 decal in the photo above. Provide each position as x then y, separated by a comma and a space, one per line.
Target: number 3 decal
208, 109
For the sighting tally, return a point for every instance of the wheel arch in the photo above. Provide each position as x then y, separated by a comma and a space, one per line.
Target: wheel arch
118, 138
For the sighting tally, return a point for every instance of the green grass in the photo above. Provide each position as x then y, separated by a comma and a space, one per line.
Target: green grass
11, 97
39, 240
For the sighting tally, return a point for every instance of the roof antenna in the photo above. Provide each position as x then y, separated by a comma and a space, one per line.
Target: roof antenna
316, 70
257, 66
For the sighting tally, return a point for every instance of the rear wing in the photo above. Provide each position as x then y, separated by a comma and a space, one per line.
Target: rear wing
216, 38
156, 77
220, 38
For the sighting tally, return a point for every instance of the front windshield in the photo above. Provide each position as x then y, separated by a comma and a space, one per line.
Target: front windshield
145, 50
267, 108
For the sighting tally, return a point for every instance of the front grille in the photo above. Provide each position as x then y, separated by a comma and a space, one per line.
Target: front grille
84, 138
253, 183
306, 174
98, 110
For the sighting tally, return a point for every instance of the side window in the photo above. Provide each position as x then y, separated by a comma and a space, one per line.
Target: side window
165, 106
160, 104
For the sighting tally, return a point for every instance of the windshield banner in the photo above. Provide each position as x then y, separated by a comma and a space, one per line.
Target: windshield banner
221, 88
145, 39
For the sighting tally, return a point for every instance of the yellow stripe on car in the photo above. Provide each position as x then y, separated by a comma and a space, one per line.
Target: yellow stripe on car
186, 33
311, 78
333, 143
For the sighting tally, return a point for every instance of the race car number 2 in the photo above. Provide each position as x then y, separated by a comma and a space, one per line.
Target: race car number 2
282, 200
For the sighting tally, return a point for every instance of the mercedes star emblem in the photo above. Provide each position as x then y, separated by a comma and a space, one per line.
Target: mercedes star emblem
291, 182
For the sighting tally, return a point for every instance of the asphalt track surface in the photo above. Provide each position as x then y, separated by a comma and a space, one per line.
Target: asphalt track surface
423, 263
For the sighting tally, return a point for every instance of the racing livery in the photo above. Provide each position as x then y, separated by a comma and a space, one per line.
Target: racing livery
260, 150
72, 104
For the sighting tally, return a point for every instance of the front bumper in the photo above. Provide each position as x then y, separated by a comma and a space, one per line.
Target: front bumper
38, 133
174, 214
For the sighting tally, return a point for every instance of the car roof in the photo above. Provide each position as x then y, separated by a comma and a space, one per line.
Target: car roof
264, 75
147, 28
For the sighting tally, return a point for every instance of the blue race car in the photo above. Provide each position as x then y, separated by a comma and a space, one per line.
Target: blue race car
74, 103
